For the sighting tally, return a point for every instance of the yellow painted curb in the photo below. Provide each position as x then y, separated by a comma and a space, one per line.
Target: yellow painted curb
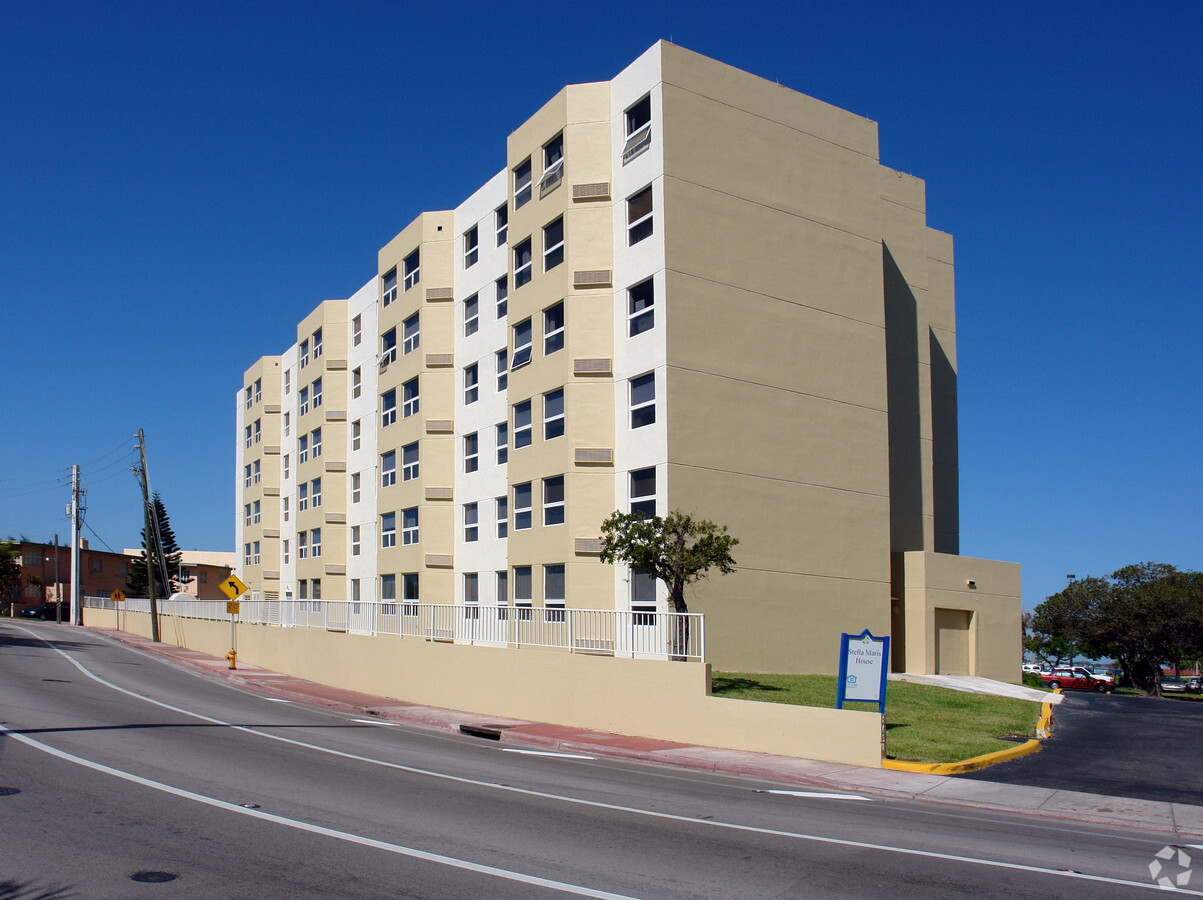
1043, 727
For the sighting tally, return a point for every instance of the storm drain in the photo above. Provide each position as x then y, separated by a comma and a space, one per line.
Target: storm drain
153, 877
488, 732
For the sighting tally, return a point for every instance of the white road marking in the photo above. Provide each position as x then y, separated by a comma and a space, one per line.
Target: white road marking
376, 722
318, 829
545, 753
752, 829
817, 795
277, 700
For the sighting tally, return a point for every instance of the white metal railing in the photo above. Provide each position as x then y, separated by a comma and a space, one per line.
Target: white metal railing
645, 635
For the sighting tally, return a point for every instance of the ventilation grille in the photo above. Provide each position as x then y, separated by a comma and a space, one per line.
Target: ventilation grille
271, 532
271, 492
440, 493
271, 576
336, 415
597, 191
439, 560
591, 278
588, 545
271, 450
591, 367
336, 570
440, 293
434, 360
439, 426
336, 518
272, 409
336, 467
336, 365
595, 455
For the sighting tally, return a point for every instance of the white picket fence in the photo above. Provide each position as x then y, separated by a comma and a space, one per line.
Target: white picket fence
644, 635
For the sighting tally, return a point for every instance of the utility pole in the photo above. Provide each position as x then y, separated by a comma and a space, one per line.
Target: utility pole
153, 550
58, 594
76, 617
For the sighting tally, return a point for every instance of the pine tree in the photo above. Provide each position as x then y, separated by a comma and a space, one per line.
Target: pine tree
138, 583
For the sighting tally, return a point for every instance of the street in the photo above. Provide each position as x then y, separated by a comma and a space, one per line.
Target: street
123, 776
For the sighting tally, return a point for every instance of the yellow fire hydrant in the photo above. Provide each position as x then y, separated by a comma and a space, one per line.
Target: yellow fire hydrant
232, 656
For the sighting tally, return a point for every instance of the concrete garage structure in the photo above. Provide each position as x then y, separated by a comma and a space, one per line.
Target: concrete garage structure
689, 288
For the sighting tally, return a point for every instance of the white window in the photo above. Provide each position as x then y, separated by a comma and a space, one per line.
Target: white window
388, 286
502, 292
503, 369
388, 530
246, 554
258, 430
409, 462
304, 446
388, 347
356, 435
643, 492
643, 400
471, 383
501, 222
287, 381
256, 512
248, 396
471, 247
553, 414
522, 425
472, 593
503, 438
255, 471
317, 343
553, 244
258, 389
303, 496
317, 393
287, 423
388, 468
503, 516
247, 514
356, 542
409, 525
471, 528
315, 493
315, 543
248, 437
503, 593
412, 269
638, 129
412, 334
409, 593
522, 263
553, 165
356, 487
472, 315
522, 506
639, 216
356, 383
522, 586
356, 331
553, 328
471, 452
523, 338
304, 397
284, 551
248, 475
553, 500
315, 593
284, 508
522, 184
641, 313
304, 353
355, 595
302, 546
315, 442
553, 591
388, 408
410, 402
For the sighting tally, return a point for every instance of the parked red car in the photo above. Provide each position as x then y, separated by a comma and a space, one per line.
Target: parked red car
1075, 679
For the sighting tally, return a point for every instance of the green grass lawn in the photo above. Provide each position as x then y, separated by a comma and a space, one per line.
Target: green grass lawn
923, 723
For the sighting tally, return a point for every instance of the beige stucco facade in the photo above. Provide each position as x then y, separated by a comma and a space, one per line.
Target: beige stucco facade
690, 283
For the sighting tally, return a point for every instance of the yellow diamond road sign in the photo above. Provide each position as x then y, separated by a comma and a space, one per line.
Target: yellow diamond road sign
232, 587
117, 596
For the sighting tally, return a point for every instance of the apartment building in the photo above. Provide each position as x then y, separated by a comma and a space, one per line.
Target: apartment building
689, 288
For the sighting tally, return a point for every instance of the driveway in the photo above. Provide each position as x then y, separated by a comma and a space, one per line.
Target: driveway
1121, 746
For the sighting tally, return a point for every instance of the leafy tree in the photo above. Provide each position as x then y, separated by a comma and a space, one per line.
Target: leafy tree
677, 549
138, 582
1143, 615
10, 573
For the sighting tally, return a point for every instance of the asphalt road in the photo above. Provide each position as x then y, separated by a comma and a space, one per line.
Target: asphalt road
1146, 748
114, 765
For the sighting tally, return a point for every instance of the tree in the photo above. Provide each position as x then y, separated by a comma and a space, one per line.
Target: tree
10, 573
1143, 615
138, 582
677, 549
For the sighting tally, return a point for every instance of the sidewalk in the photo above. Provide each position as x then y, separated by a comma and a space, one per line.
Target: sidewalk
1183, 820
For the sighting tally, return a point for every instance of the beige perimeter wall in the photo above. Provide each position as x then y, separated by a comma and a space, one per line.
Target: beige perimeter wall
649, 698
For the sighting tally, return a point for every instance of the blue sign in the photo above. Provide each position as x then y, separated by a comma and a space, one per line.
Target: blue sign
864, 664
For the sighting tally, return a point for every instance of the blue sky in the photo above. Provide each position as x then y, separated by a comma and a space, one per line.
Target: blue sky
181, 182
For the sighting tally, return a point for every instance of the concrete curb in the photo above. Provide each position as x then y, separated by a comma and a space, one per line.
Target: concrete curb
1043, 729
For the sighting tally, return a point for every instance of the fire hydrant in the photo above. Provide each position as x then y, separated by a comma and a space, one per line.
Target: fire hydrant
232, 656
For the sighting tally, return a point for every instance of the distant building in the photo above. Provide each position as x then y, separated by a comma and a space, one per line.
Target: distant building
690, 288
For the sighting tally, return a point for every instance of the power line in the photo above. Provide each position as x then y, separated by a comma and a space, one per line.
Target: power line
98, 537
